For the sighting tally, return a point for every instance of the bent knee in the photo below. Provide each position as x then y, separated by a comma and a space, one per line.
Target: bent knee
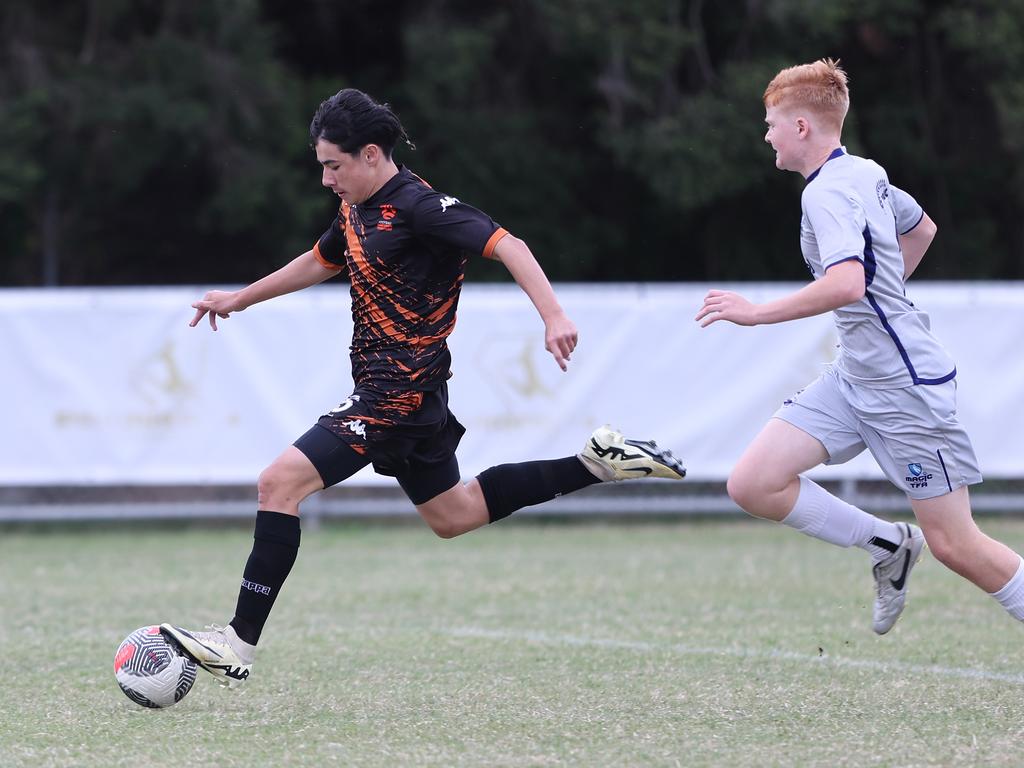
270, 482
447, 529
276, 486
955, 551
760, 494
946, 549
746, 488
737, 489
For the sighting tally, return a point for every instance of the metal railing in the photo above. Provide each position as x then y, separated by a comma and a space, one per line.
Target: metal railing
658, 499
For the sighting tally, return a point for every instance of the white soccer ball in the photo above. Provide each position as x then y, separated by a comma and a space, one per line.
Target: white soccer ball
151, 671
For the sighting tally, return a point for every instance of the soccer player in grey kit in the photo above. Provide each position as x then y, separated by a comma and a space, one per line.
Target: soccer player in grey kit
892, 387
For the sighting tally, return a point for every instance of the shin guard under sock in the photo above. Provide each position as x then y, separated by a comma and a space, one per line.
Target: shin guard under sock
819, 514
275, 546
509, 487
1011, 596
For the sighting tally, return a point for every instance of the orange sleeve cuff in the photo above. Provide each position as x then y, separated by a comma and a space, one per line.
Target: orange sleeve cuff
492, 242
320, 257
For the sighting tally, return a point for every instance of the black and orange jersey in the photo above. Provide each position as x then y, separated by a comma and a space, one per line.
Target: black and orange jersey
405, 250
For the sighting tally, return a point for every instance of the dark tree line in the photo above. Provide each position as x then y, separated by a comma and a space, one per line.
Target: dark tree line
164, 141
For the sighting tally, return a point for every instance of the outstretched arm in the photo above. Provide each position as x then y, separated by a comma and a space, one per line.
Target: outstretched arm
842, 284
915, 242
301, 272
560, 334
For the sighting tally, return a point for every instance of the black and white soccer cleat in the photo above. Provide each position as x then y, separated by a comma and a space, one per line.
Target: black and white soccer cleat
610, 456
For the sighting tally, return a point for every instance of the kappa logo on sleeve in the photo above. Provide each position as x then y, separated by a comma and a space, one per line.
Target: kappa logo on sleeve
448, 202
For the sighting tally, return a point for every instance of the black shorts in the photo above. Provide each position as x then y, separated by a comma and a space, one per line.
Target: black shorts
411, 436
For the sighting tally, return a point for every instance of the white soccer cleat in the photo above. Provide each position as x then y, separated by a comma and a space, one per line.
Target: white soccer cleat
891, 576
219, 651
610, 456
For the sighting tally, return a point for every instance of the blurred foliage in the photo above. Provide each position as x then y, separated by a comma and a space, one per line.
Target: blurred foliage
165, 141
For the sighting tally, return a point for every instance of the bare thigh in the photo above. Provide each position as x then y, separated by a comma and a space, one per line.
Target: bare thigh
289, 479
765, 481
458, 510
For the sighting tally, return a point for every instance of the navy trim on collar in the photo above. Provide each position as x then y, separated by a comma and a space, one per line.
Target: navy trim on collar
835, 153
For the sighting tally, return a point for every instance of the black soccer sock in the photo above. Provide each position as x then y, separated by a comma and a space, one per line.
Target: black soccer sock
275, 546
508, 487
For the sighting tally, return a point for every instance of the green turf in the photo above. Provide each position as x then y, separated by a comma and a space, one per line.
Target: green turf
726, 644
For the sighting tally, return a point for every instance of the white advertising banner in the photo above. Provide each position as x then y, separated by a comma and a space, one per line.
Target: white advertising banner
112, 386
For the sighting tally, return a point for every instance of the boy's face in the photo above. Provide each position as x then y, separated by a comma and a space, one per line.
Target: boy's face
785, 131
350, 177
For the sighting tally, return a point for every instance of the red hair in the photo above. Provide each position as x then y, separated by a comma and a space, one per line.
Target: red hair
819, 88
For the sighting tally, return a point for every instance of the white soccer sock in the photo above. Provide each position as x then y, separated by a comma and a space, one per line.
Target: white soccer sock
820, 514
1011, 596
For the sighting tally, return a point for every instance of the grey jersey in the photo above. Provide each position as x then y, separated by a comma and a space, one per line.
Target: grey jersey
850, 211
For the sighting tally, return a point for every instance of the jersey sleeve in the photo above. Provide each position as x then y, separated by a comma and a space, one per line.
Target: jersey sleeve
329, 250
838, 220
907, 210
443, 221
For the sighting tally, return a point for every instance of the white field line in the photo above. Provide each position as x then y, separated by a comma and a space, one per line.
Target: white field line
901, 668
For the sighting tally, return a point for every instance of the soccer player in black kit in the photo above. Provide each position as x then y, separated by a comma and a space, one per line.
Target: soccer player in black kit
403, 247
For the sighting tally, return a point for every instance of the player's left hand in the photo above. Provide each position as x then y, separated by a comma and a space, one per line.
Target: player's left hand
726, 305
560, 338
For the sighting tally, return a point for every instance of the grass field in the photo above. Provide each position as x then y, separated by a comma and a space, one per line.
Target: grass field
690, 644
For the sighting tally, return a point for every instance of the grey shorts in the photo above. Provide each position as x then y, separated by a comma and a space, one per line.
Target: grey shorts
912, 432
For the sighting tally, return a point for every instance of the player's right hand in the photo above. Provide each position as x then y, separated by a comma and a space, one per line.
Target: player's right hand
215, 304
560, 338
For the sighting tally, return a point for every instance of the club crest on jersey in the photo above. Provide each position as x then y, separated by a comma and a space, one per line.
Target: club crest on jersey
882, 190
448, 202
387, 213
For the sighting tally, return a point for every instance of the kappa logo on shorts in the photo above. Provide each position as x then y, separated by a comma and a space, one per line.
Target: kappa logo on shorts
355, 426
917, 478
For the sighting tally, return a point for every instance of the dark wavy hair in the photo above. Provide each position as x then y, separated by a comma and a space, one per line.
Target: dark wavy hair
350, 119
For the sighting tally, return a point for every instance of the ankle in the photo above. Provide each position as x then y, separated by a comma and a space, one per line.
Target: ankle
246, 651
